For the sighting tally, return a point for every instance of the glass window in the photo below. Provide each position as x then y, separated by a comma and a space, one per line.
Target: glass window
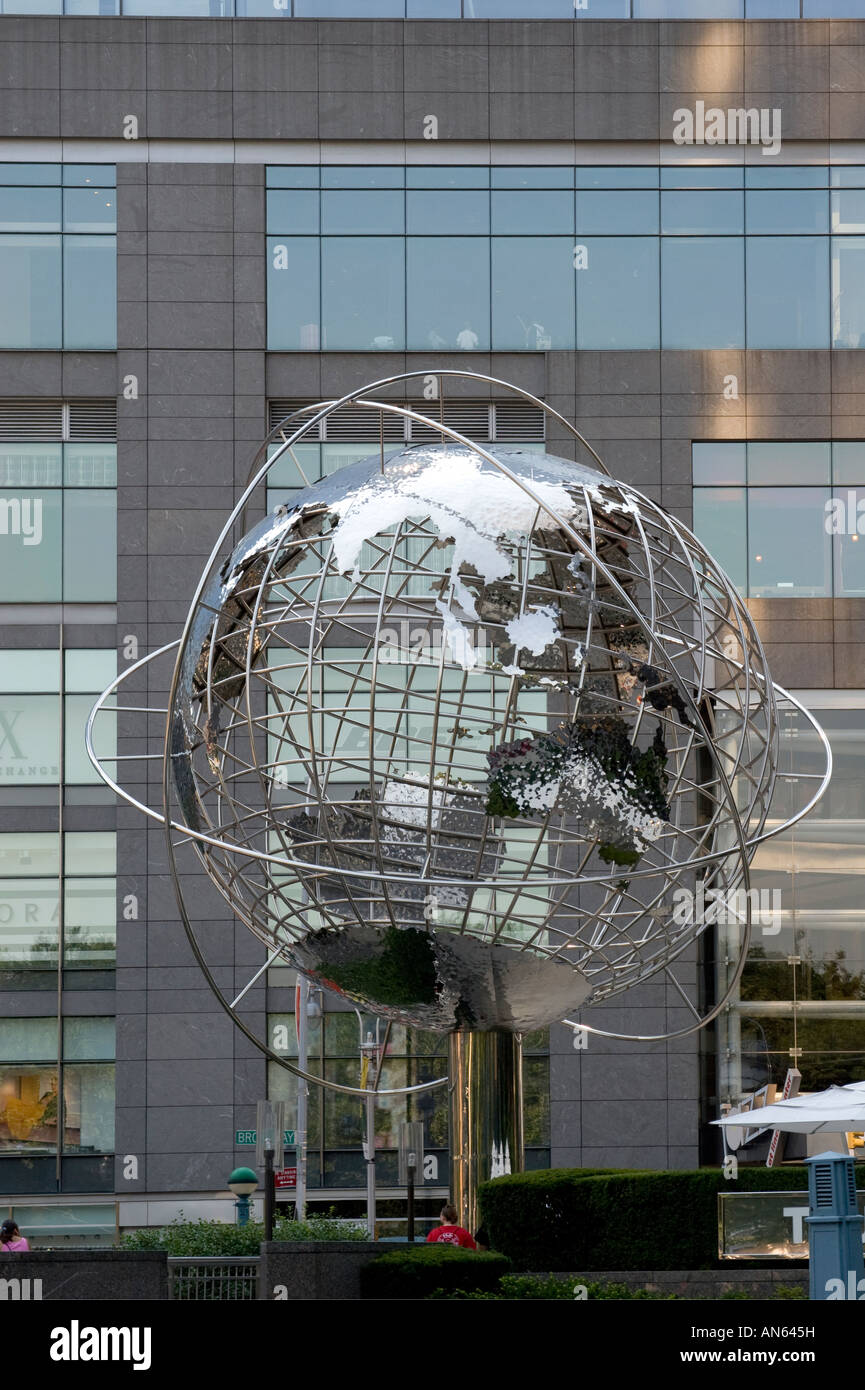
24, 670
47, 174
716, 462
533, 293
25, 465
90, 465
783, 212
702, 292
30, 744
89, 292
449, 212
787, 292
293, 175
686, 9
847, 176
786, 464
30, 209
848, 210
720, 522
771, 175
360, 213
701, 176
30, 291
448, 293
89, 545
293, 293
694, 213
362, 176
588, 176
848, 541
848, 461
618, 294
88, 1108
88, 1039
541, 213
541, 176
293, 212
29, 913
516, 9
89, 210
616, 212
31, 545
447, 176
363, 293
771, 9
848, 292
788, 545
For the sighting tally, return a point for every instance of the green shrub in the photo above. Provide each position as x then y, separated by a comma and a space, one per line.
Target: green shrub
223, 1238
535, 1286
578, 1218
418, 1272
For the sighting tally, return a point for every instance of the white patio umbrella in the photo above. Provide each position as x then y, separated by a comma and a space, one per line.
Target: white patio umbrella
834, 1111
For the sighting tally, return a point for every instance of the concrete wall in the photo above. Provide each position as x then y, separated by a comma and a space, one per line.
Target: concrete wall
86, 1276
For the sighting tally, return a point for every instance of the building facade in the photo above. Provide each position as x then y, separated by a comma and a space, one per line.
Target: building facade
212, 212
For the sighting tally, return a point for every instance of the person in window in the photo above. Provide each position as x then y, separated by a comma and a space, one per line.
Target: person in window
11, 1240
449, 1233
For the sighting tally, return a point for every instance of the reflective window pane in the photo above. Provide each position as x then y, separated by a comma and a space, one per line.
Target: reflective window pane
30, 750
89, 1039
28, 465
789, 548
293, 294
361, 176
359, 212
693, 212
779, 176
848, 541
787, 464
848, 461
31, 546
848, 292
25, 670
88, 1108
447, 176
618, 294
687, 9
293, 175
457, 212
29, 924
536, 176
848, 210
30, 209
538, 212
363, 293
720, 522
787, 292
589, 176
516, 9
89, 210
293, 212
702, 292
784, 211
448, 293
717, 462
89, 292
30, 291
533, 293
716, 176
616, 212
89, 545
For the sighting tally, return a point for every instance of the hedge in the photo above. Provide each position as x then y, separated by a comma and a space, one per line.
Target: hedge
597, 1219
418, 1272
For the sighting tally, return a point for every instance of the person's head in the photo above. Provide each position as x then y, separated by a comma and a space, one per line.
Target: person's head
449, 1215
9, 1231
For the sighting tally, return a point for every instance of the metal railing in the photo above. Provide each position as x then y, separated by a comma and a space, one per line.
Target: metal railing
213, 1277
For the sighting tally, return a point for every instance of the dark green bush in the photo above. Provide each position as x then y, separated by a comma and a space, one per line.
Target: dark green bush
225, 1238
578, 1218
420, 1271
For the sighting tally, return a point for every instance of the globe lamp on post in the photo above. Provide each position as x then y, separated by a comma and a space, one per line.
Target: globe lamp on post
243, 1183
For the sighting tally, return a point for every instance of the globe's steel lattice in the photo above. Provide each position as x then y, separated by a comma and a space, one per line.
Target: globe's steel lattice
449, 728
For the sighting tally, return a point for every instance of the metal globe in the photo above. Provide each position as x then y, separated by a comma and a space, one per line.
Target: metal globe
452, 727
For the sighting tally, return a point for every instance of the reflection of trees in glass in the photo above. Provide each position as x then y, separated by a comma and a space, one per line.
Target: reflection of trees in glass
81, 949
826, 977
536, 1100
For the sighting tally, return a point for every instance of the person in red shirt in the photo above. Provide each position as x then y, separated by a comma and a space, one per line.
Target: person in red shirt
449, 1233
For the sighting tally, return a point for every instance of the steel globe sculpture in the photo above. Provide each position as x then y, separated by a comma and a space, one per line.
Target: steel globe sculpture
450, 728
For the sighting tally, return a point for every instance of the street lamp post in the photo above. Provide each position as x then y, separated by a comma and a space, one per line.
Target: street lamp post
242, 1183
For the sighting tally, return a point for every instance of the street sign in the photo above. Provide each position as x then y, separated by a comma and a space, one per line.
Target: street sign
287, 1178
246, 1137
